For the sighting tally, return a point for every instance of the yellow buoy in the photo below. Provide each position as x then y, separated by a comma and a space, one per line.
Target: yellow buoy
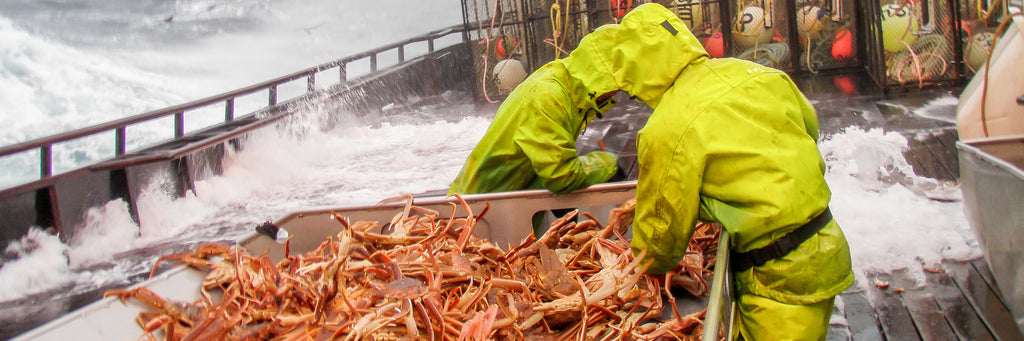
978, 49
898, 27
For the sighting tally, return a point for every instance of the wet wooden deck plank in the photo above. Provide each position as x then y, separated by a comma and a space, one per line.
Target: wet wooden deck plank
948, 142
984, 300
929, 319
962, 317
861, 318
943, 155
896, 320
923, 161
981, 266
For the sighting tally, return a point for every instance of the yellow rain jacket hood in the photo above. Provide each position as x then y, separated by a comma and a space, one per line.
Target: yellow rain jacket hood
532, 141
729, 141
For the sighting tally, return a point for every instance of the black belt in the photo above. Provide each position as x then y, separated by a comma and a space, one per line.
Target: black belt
741, 261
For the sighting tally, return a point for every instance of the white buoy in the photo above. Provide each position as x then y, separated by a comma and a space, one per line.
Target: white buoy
508, 73
808, 20
750, 30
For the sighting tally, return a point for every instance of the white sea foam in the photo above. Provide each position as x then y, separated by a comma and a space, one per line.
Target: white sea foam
888, 219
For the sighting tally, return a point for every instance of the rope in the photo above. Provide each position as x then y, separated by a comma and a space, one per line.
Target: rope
984, 13
558, 27
807, 53
770, 55
487, 47
984, 84
922, 62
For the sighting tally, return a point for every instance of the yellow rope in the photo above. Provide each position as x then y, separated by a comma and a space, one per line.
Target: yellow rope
556, 26
983, 13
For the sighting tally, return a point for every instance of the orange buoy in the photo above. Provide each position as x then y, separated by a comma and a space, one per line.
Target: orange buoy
620, 7
715, 45
842, 46
504, 47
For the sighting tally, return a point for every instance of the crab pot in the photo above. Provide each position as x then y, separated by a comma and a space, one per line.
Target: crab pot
513, 34
914, 44
827, 35
761, 31
556, 27
496, 34
978, 22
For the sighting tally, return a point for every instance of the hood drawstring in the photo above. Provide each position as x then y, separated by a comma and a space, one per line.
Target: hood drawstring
583, 122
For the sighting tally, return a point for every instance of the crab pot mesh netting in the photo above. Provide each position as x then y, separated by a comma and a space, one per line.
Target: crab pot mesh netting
511, 38
496, 33
826, 34
979, 20
704, 19
903, 43
760, 32
918, 42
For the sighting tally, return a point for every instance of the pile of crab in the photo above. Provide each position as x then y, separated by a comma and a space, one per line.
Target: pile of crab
433, 279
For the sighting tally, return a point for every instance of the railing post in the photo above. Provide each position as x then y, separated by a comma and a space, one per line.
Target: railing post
46, 160
273, 95
401, 54
373, 62
311, 81
343, 73
430, 44
179, 124
229, 110
119, 141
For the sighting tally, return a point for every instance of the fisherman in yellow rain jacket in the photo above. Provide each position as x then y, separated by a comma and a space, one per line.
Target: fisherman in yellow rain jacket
733, 142
531, 144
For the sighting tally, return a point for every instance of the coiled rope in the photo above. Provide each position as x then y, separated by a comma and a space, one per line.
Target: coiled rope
920, 60
558, 27
771, 55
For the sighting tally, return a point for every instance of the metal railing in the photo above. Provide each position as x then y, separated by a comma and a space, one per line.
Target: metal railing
45, 144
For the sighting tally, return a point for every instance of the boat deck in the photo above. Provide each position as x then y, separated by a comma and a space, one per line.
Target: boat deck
960, 300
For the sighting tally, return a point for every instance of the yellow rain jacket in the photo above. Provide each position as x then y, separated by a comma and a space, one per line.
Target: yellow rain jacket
532, 141
729, 141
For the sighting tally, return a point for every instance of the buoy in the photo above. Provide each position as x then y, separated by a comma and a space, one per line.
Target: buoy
620, 7
898, 26
978, 49
842, 45
715, 45
750, 30
808, 20
505, 47
508, 73
777, 38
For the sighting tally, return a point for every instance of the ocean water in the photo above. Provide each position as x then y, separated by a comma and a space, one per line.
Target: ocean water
69, 64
